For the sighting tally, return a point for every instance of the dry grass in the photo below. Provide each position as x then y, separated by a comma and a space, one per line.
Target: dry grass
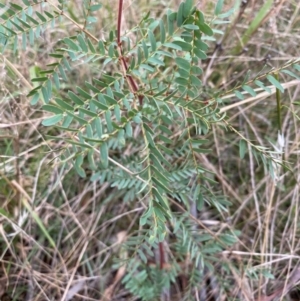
86, 220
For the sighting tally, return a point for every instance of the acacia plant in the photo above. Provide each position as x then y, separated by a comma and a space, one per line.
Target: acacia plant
141, 124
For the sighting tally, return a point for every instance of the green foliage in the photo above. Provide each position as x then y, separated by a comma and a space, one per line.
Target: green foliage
148, 89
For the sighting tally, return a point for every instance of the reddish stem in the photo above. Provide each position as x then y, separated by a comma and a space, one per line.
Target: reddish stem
119, 22
132, 84
161, 256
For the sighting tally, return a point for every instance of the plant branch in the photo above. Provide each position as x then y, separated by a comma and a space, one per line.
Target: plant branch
131, 82
119, 22
61, 12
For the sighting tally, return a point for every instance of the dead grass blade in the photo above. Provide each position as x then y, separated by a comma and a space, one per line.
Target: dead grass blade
108, 293
283, 290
